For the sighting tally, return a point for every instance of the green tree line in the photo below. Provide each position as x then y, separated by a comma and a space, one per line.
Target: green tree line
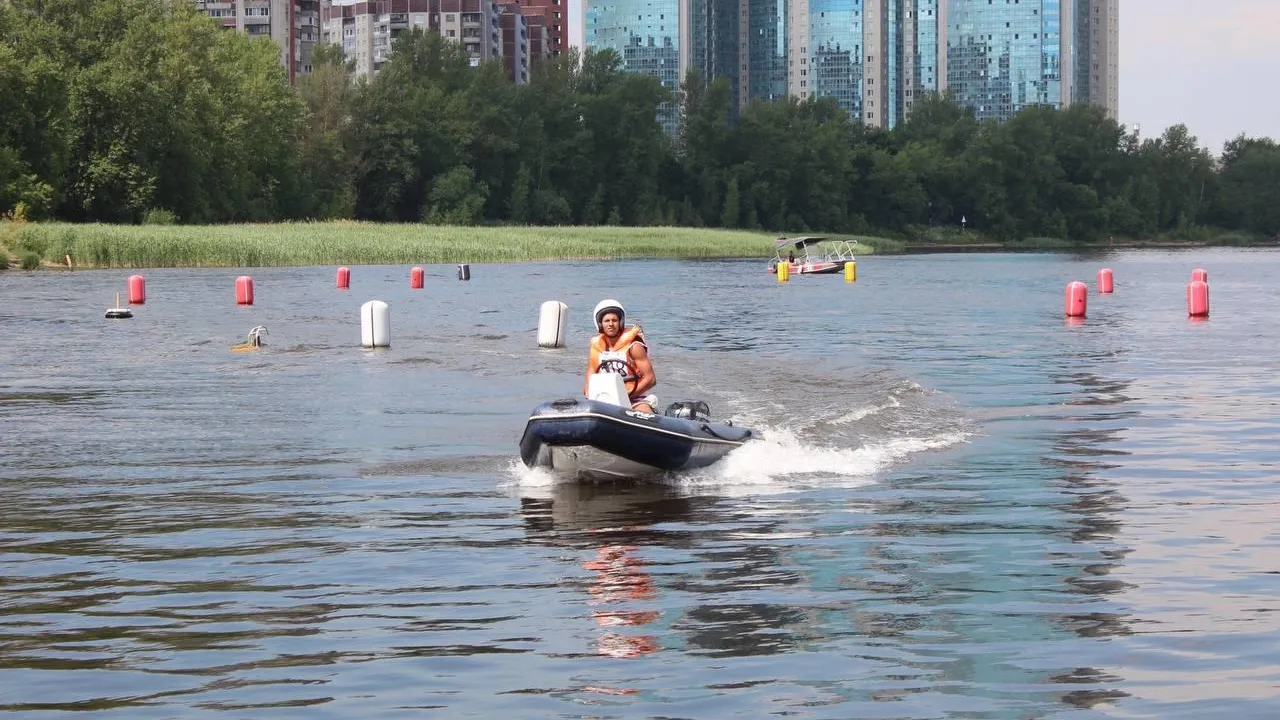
125, 111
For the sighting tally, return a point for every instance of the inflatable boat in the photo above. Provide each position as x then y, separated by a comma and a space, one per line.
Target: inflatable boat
592, 439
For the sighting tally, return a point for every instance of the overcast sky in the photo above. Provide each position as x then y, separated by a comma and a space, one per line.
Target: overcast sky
1209, 64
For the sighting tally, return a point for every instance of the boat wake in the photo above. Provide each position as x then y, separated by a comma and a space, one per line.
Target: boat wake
824, 426
847, 450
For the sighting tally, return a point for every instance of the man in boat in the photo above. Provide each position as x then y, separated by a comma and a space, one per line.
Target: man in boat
621, 349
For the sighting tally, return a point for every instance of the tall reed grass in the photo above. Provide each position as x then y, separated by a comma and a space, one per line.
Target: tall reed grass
359, 243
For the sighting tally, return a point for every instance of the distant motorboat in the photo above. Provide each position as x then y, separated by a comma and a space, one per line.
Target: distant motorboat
818, 255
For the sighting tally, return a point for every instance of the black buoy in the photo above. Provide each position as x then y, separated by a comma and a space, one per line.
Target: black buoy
464, 271
117, 312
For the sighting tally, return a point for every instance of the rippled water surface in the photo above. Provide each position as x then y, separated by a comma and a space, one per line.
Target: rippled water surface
962, 506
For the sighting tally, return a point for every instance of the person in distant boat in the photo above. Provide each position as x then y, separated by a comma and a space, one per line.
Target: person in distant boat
622, 350
791, 256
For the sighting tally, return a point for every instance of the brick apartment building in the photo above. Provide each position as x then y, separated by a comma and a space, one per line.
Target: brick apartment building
273, 19
366, 29
519, 32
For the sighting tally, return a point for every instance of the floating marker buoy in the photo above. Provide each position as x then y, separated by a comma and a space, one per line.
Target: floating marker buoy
117, 312
1200, 274
137, 290
416, 278
375, 324
850, 271
344, 278
244, 290
553, 319
1106, 281
253, 341
1077, 299
1198, 299
784, 272
464, 271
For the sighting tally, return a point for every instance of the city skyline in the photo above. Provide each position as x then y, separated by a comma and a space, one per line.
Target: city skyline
1213, 55
1177, 63
875, 58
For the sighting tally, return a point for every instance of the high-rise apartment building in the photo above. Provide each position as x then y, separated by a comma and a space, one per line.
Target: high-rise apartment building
515, 43
294, 25
366, 29
1097, 54
647, 34
555, 15
874, 57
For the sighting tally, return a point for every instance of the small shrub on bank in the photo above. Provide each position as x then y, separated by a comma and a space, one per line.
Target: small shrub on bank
160, 216
30, 261
4, 258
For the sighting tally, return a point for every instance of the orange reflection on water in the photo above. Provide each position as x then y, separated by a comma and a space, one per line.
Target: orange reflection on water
620, 577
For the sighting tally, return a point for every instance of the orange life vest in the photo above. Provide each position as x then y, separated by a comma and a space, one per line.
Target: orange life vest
617, 359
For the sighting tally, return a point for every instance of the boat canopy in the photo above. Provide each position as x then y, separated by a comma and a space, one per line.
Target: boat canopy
799, 242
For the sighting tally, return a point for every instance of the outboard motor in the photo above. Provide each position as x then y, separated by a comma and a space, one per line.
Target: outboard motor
689, 410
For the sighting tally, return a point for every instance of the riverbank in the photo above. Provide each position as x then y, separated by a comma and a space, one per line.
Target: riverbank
360, 243
63, 245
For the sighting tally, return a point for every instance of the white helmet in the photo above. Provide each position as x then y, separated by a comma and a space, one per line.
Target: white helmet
610, 305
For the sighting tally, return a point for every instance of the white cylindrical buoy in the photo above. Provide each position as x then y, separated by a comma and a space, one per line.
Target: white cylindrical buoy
464, 271
375, 324
553, 319
1077, 299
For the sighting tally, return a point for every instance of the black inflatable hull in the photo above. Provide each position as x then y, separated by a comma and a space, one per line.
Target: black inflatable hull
596, 440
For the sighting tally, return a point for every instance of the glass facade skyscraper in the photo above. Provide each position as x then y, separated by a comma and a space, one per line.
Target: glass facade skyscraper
1002, 57
646, 33
874, 57
766, 48
832, 64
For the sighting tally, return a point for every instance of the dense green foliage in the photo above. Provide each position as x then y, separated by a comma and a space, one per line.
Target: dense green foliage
130, 111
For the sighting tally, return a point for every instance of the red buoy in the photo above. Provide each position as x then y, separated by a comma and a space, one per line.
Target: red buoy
416, 277
1198, 298
1106, 282
344, 278
1077, 298
244, 290
1200, 274
137, 290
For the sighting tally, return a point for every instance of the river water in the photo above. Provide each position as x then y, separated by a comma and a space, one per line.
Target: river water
962, 505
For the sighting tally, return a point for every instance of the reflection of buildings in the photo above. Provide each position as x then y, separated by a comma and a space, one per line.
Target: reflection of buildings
1096, 504
874, 57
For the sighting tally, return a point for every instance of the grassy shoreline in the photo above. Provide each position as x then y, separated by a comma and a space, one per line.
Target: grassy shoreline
362, 243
